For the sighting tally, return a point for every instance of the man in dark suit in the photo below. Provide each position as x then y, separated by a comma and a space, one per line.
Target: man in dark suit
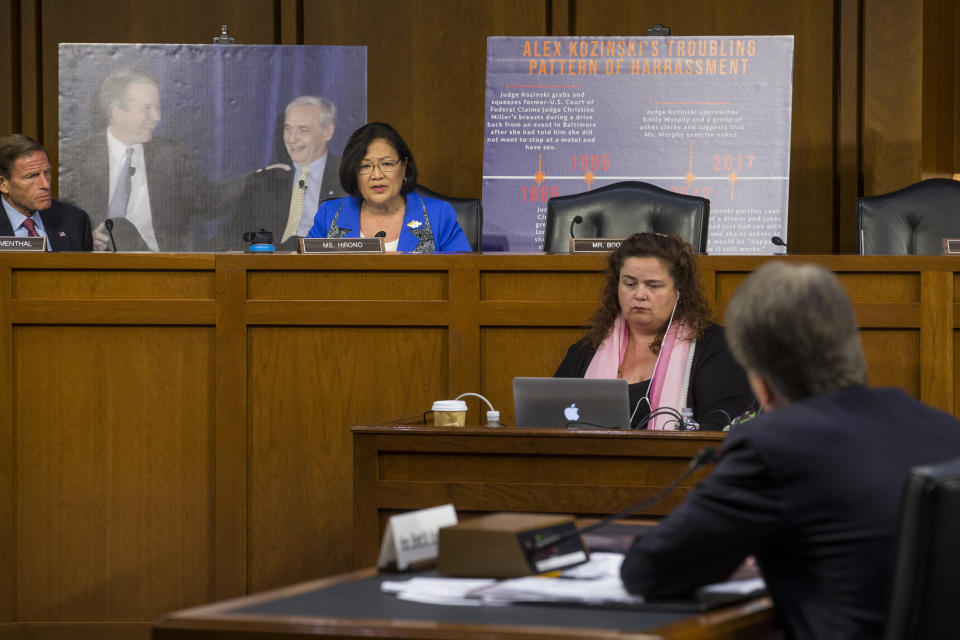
148, 185
812, 487
270, 197
29, 207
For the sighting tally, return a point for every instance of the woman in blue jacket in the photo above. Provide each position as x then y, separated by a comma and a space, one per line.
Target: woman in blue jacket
380, 174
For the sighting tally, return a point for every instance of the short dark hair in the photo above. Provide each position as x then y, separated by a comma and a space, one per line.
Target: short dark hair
794, 326
12, 148
681, 261
356, 149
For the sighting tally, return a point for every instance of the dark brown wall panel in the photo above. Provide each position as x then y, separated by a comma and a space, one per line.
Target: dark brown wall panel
426, 72
892, 94
9, 120
812, 24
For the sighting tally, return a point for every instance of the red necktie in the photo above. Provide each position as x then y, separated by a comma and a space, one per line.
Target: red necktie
31, 228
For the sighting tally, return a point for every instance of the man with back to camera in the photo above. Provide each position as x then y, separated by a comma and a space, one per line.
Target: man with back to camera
29, 207
812, 487
284, 200
147, 185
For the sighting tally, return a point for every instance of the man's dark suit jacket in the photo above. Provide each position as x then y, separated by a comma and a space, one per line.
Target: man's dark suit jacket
178, 192
813, 491
266, 200
68, 228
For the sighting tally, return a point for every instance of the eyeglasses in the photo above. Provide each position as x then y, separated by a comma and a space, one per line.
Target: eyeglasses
387, 166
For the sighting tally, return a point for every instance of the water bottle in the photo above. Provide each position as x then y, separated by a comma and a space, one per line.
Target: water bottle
689, 422
493, 419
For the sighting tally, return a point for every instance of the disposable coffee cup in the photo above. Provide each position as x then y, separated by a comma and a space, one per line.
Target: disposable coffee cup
450, 413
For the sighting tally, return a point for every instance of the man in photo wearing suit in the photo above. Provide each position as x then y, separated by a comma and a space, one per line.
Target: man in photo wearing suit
29, 207
812, 487
146, 184
284, 199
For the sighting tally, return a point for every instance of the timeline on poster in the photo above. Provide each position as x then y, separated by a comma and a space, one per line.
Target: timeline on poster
705, 116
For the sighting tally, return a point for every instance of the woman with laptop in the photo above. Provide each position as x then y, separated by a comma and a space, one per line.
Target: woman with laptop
655, 329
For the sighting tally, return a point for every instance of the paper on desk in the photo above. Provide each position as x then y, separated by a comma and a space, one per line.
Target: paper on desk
450, 591
598, 583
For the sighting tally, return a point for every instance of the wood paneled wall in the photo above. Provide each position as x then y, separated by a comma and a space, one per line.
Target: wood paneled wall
875, 104
175, 428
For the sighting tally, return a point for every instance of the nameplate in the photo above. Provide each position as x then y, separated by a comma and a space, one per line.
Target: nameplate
951, 246
341, 245
13, 243
412, 537
594, 245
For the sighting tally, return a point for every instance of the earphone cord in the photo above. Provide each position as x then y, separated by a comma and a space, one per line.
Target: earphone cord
656, 364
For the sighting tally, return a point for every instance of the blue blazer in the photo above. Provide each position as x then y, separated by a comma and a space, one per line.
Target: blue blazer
429, 225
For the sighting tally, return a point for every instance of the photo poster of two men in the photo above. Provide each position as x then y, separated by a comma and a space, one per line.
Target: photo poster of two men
187, 147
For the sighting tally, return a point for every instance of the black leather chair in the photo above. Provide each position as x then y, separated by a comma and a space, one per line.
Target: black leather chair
622, 209
927, 556
911, 221
469, 214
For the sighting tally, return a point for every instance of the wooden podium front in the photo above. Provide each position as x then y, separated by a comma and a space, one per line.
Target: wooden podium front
484, 469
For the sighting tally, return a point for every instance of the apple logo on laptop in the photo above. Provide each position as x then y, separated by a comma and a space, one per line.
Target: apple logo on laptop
571, 413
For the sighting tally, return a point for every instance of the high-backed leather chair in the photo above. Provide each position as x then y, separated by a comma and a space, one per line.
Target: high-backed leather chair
469, 214
911, 221
927, 557
622, 209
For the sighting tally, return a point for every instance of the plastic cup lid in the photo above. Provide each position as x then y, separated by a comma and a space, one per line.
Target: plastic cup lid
449, 405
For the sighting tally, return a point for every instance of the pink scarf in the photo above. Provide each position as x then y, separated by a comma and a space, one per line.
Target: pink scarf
671, 380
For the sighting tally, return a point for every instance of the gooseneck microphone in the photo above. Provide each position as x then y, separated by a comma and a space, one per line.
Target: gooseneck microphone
777, 240
705, 456
380, 234
108, 225
576, 220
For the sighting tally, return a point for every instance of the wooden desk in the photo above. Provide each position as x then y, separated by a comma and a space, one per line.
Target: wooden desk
323, 608
175, 428
479, 469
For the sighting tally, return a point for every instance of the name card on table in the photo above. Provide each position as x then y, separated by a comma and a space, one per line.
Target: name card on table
412, 537
341, 245
13, 243
951, 247
594, 245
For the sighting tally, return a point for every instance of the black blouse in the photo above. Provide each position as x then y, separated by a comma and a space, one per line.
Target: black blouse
717, 381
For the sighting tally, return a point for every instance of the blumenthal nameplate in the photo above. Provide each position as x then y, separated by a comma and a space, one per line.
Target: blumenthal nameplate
594, 245
13, 243
341, 245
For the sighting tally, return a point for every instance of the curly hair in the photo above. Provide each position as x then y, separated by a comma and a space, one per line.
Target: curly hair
681, 262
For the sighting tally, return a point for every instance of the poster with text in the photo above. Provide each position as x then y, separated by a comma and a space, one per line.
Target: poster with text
704, 116
210, 159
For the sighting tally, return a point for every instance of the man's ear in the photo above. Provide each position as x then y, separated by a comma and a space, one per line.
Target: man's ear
768, 397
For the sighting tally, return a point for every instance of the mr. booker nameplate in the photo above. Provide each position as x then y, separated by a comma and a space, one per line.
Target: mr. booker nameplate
13, 243
341, 245
594, 245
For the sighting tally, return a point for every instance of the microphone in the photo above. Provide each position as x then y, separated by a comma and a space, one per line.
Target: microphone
777, 240
705, 456
108, 224
133, 170
576, 220
380, 234
302, 185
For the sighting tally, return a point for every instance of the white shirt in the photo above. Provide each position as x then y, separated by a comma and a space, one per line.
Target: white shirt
311, 197
138, 207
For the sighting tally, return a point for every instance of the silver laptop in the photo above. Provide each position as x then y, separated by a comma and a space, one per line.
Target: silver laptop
577, 402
